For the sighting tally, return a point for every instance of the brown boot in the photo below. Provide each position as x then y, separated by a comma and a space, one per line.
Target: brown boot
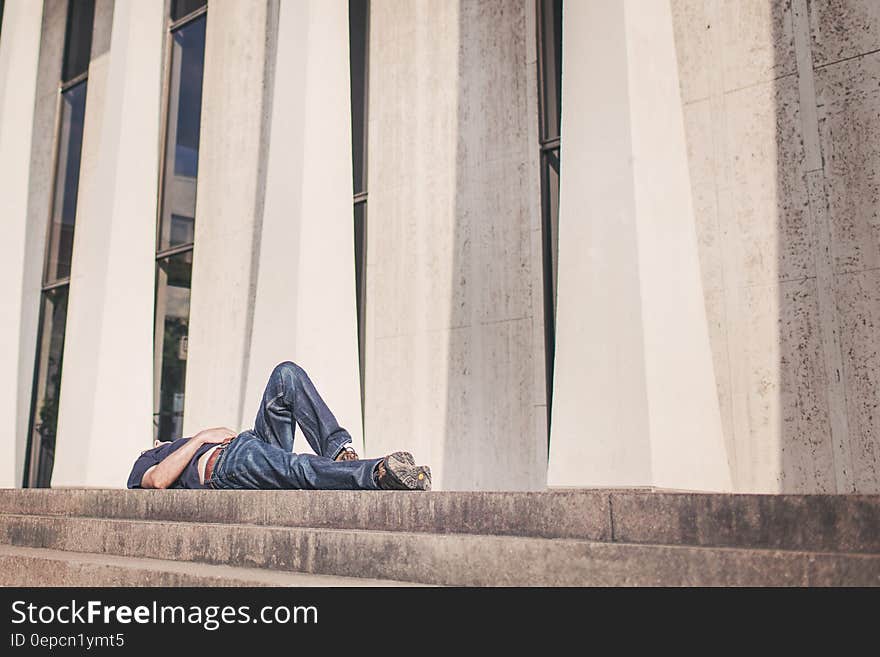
398, 471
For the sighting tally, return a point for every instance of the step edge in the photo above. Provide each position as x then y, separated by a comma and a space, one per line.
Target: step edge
451, 536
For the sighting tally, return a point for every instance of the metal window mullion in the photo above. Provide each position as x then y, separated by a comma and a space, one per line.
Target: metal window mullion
550, 144
67, 85
174, 25
177, 250
48, 287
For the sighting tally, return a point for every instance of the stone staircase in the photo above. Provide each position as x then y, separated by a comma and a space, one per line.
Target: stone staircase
77, 537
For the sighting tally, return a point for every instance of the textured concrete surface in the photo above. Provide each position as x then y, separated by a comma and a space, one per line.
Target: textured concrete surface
454, 344
461, 559
832, 523
790, 522
780, 111
843, 28
109, 336
583, 514
19, 58
22, 566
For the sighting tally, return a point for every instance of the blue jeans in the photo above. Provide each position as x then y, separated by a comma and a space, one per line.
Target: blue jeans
263, 458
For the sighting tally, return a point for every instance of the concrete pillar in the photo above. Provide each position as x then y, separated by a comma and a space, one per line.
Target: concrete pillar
19, 57
229, 202
454, 340
634, 390
107, 381
304, 308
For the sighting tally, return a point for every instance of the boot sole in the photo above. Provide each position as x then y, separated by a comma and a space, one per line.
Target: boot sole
403, 474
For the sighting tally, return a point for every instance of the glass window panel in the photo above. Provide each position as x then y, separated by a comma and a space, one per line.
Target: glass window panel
360, 256
78, 43
552, 220
44, 419
73, 109
182, 138
550, 234
181, 8
358, 19
182, 230
551, 76
173, 279
360, 274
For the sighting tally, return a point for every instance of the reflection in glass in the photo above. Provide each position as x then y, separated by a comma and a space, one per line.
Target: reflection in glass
73, 109
181, 8
552, 215
360, 275
173, 279
182, 230
78, 44
182, 137
358, 16
44, 417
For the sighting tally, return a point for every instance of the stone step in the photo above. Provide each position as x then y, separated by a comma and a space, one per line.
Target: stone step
444, 559
26, 566
828, 523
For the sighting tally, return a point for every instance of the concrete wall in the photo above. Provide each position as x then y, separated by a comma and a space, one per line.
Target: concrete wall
454, 352
107, 381
781, 109
21, 248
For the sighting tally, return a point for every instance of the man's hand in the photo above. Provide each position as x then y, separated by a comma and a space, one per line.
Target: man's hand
168, 470
215, 435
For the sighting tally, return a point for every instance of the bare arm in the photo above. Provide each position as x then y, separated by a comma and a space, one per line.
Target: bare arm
166, 472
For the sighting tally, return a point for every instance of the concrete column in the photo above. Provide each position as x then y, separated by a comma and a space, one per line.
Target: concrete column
454, 349
304, 307
19, 57
634, 393
229, 202
106, 401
